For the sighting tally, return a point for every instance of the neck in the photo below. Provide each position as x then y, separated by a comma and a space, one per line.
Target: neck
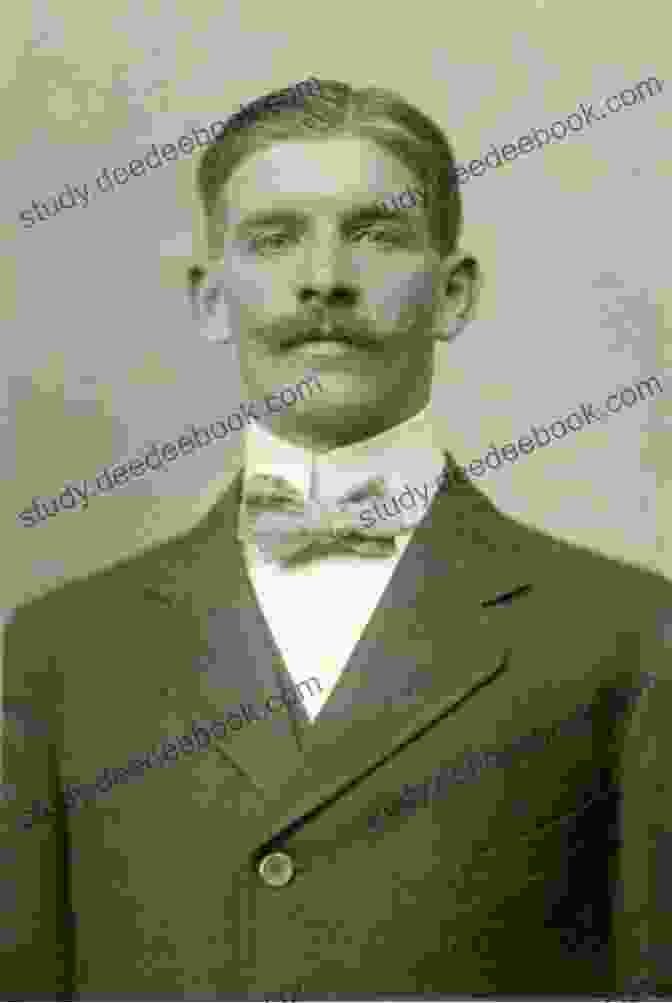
322, 433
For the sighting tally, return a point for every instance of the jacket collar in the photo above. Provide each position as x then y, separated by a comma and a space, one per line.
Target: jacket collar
441, 630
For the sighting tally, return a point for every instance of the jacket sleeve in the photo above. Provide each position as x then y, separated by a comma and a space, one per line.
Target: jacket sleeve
33, 927
642, 913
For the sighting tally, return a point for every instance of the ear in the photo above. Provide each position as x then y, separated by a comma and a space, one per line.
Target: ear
207, 304
461, 283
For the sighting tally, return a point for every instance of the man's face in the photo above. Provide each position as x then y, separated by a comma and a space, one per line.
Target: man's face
318, 278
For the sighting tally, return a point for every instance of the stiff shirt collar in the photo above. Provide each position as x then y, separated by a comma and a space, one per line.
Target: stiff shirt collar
406, 454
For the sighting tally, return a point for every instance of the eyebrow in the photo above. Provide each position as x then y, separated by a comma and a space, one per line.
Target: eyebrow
373, 212
272, 217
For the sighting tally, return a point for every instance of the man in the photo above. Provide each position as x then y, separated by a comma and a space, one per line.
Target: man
270, 863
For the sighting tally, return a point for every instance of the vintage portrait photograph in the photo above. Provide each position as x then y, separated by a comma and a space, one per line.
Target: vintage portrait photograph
336, 613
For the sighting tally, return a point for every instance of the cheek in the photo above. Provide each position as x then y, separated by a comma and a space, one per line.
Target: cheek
254, 294
405, 295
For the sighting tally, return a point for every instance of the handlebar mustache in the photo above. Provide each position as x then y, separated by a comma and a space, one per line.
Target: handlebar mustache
291, 334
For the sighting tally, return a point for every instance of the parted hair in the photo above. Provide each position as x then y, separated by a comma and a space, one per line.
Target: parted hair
332, 108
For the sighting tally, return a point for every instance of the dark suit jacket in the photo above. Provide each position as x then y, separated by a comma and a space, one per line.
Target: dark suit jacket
543, 874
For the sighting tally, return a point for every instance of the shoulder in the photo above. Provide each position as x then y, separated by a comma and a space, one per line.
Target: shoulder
45, 621
629, 586
580, 569
107, 591
589, 593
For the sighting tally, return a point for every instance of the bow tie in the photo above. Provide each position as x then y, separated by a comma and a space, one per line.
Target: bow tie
293, 525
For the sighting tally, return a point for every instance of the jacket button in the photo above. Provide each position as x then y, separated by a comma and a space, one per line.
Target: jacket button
276, 869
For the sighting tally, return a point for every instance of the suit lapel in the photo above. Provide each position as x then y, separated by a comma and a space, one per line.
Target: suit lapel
430, 630
438, 627
202, 581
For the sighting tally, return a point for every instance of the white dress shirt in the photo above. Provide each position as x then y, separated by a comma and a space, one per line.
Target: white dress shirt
317, 611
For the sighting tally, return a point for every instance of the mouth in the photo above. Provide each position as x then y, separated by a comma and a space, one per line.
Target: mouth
325, 346
332, 340
320, 337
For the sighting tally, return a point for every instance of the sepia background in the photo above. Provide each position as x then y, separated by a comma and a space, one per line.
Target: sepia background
101, 356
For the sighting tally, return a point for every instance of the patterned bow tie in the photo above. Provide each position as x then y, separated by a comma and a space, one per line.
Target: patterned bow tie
293, 525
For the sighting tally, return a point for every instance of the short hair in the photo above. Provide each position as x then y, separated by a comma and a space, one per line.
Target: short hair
340, 110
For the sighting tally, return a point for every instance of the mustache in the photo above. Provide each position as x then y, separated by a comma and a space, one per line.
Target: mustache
290, 332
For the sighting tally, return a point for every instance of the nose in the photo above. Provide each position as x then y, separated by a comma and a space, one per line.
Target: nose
326, 278
329, 294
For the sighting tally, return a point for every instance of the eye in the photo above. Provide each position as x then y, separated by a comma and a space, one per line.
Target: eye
269, 242
379, 235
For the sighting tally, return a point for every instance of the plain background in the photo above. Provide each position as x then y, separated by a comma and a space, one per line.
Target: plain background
101, 356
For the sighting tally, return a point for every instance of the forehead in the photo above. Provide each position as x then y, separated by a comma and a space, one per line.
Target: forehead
329, 175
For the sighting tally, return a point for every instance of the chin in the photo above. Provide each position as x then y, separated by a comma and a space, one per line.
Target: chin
340, 401
330, 408
342, 417
344, 387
